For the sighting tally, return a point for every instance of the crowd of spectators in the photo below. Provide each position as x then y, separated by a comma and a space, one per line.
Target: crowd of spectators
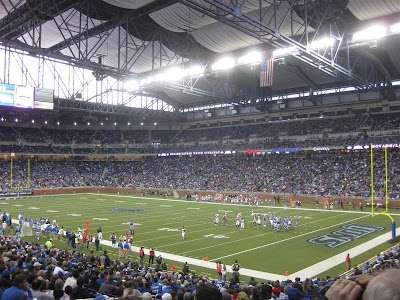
31, 270
326, 131
331, 174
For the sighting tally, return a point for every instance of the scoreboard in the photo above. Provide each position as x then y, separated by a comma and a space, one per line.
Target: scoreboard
26, 97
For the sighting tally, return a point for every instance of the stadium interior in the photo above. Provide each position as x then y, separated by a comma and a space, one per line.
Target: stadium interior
255, 97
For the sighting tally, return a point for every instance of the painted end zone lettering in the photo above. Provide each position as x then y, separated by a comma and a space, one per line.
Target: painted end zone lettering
345, 235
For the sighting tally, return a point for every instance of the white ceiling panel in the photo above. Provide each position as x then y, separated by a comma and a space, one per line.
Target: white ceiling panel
369, 9
130, 4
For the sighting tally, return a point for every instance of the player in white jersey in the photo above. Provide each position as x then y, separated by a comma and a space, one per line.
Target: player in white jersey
242, 224
259, 220
253, 216
290, 223
216, 220
183, 232
238, 218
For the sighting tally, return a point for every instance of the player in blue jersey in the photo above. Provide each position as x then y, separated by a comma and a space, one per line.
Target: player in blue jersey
18, 233
38, 229
297, 221
219, 284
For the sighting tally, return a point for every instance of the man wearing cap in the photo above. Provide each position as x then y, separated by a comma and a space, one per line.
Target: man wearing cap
294, 294
49, 243
58, 292
276, 292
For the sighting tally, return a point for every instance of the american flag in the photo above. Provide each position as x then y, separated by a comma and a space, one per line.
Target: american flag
267, 72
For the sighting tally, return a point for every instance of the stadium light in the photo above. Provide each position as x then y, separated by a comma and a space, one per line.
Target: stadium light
2, 119
88, 123
115, 123
101, 124
173, 74
58, 123
16, 120
45, 122
74, 123
194, 71
223, 64
371, 33
129, 123
395, 28
281, 52
33, 121
155, 124
147, 80
132, 85
322, 43
141, 123
252, 58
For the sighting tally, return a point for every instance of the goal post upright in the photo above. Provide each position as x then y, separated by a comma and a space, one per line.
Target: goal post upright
29, 176
385, 213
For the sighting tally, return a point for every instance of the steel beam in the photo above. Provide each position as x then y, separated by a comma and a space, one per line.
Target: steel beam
269, 32
75, 105
31, 15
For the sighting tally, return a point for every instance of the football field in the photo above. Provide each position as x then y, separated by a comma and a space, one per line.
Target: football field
320, 235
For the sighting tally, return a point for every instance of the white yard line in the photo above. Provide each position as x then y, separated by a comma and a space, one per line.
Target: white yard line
305, 273
288, 239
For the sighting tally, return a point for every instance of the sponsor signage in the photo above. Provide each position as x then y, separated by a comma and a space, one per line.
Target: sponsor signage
227, 152
321, 149
253, 151
16, 193
285, 150
345, 235
377, 146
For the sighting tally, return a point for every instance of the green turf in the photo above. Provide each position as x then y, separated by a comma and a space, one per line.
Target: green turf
159, 225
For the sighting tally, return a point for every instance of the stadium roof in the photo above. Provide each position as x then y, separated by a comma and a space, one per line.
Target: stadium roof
138, 40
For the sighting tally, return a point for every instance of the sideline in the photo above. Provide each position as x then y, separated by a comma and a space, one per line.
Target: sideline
308, 272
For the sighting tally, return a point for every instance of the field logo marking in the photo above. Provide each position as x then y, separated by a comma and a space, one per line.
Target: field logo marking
53, 211
17, 205
345, 235
193, 208
132, 210
33, 207
100, 219
74, 215
216, 236
168, 229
